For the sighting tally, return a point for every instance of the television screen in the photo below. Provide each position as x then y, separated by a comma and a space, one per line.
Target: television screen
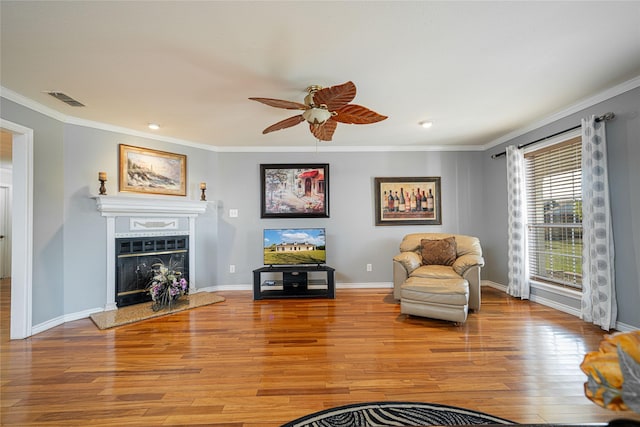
294, 246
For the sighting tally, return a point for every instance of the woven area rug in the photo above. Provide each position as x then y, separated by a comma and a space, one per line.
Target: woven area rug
138, 312
395, 414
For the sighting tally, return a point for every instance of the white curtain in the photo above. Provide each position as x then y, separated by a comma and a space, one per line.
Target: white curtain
518, 283
598, 276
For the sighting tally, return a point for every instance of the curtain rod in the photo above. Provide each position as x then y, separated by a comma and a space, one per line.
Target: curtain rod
604, 117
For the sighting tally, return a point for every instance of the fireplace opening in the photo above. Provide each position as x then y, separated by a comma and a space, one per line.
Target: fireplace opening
135, 259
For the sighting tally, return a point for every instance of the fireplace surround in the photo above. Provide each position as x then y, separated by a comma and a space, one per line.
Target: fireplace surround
148, 219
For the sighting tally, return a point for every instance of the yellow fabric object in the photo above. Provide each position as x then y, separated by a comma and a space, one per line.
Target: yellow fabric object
603, 369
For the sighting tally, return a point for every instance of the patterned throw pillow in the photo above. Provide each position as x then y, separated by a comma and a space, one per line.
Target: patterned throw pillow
438, 252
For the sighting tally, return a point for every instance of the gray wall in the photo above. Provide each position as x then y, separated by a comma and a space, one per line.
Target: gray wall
352, 238
48, 206
69, 246
623, 144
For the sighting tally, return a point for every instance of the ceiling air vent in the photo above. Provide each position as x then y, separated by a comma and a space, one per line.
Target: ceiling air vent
66, 99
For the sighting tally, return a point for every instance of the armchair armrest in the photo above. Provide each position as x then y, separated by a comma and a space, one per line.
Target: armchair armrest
403, 264
409, 260
468, 266
465, 262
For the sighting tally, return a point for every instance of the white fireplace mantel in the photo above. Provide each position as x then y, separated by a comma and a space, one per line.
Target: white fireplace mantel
112, 207
131, 206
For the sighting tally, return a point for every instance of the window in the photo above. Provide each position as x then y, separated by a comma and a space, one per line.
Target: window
553, 180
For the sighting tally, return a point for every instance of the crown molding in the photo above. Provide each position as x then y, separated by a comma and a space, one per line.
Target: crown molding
579, 106
347, 149
54, 114
126, 131
31, 104
575, 108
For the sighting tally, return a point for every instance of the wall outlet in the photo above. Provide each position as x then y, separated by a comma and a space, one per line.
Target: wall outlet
233, 213
369, 267
232, 268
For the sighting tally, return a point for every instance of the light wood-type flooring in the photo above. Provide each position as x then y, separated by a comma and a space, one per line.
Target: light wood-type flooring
263, 363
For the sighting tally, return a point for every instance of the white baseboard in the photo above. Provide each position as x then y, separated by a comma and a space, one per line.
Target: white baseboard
537, 299
249, 287
207, 289
365, 285
41, 327
239, 287
553, 304
57, 321
622, 327
495, 285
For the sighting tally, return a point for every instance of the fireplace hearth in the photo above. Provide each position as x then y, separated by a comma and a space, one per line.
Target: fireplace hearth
135, 259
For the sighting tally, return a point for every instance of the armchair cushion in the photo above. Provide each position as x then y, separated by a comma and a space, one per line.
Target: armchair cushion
435, 272
446, 291
438, 252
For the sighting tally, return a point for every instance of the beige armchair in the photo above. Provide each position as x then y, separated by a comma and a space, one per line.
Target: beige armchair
437, 275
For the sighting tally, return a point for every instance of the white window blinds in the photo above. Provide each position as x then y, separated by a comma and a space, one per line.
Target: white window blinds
554, 213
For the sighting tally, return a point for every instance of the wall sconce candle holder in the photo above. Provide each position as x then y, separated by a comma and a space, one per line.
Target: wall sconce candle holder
102, 177
203, 187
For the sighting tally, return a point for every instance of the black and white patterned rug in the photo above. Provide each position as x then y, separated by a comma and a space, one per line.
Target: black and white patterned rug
395, 414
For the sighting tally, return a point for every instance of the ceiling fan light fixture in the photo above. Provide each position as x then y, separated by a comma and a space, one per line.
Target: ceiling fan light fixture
425, 124
311, 90
154, 126
316, 116
323, 109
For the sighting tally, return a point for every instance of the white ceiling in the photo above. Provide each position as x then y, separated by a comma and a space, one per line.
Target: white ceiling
478, 70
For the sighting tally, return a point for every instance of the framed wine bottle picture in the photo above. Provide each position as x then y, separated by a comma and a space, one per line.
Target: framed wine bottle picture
408, 201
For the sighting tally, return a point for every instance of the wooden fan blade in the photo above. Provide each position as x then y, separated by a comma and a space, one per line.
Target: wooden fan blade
283, 124
335, 97
357, 115
325, 131
279, 103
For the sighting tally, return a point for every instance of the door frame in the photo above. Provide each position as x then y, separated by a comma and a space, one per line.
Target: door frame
21, 230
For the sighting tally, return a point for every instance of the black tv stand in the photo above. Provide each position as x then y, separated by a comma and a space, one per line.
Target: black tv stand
300, 281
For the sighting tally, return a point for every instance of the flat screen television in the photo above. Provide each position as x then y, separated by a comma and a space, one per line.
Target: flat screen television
294, 246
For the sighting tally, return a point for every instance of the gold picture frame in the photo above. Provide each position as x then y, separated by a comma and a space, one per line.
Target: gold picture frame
143, 170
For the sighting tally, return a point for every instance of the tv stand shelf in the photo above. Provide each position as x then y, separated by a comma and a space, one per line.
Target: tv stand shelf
316, 281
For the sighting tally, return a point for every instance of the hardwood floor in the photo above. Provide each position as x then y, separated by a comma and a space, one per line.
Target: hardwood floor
263, 363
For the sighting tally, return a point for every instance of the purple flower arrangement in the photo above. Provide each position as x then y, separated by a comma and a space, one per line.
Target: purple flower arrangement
166, 287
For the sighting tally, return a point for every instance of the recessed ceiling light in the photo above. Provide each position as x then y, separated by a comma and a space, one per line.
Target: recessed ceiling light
154, 126
425, 124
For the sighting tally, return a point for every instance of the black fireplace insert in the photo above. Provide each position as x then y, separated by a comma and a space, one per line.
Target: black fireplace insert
135, 258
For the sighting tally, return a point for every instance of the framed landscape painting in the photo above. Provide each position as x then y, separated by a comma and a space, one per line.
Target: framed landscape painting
408, 201
143, 170
294, 190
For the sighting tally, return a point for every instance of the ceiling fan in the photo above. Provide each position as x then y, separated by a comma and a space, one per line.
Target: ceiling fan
323, 109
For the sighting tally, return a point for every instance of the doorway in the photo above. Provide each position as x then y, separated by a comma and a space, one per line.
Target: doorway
6, 142
21, 228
